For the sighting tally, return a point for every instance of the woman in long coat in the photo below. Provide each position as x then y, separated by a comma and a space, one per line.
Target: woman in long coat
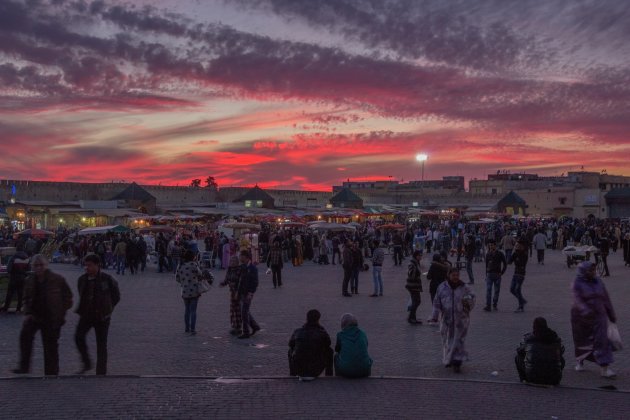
590, 314
453, 303
189, 276
232, 278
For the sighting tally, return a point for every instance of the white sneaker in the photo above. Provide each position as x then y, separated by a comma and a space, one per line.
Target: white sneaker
608, 372
579, 367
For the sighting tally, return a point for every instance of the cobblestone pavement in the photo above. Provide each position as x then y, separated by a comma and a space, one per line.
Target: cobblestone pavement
287, 398
147, 338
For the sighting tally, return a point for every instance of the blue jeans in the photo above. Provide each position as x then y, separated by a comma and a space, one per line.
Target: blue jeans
515, 289
120, 264
469, 270
492, 280
246, 315
354, 281
377, 278
190, 314
175, 263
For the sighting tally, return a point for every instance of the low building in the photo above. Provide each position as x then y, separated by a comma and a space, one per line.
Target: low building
164, 195
346, 199
136, 197
578, 194
618, 202
299, 199
256, 198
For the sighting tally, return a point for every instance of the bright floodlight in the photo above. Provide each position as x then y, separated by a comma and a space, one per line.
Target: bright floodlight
421, 157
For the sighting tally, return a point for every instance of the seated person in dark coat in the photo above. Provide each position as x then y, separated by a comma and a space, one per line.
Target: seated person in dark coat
309, 349
539, 357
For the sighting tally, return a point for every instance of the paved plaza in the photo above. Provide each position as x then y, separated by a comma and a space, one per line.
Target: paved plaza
156, 370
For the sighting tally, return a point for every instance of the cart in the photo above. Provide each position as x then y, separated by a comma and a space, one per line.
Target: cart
577, 254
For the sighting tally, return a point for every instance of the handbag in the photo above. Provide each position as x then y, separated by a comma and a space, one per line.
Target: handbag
203, 286
614, 337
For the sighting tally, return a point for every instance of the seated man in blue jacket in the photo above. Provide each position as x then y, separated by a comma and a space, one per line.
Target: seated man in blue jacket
539, 358
352, 359
309, 349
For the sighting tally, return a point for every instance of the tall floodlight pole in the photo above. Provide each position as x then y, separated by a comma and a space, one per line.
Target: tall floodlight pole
422, 157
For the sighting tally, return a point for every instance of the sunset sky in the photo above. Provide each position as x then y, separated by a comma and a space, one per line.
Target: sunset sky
308, 93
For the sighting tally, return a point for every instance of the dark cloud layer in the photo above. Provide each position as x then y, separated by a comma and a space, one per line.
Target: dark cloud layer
431, 30
479, 64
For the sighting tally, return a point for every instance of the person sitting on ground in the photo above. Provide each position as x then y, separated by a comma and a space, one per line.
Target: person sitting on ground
352, 359
309, 349
539, 357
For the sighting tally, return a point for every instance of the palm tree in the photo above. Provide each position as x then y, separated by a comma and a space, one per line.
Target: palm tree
195, 183
211, 182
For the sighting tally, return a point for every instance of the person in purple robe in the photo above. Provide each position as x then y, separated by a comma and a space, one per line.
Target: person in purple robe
590, 314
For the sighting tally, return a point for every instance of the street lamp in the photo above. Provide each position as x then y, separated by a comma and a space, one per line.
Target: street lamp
422, 157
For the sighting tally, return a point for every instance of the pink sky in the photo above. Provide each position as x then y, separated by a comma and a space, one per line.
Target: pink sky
306, 94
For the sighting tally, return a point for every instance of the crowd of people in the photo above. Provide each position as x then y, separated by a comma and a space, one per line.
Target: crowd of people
453, 245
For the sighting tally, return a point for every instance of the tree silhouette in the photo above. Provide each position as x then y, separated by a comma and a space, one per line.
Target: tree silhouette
211, 182
195, 183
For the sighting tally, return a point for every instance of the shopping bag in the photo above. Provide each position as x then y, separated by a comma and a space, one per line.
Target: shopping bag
614, 337
203, 286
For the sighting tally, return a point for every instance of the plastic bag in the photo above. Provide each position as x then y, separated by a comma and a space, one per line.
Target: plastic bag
614, 337
203, 286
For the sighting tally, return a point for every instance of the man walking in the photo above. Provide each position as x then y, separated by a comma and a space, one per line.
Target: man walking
247, 288
519, 258
357, 266
470, 250
47, 297
160, 248
120, 253
335, 249
414, 286
603, 243
495, 267
507, 244
378, 257
98, 295
540, 243
397, 241
17, 269
346, 263
274, 262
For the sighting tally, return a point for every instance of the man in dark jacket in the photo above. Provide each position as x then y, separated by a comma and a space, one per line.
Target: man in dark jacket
346, 263
47, 297
539, 357
397, 241
142, 253
161, 246
133, 255
274, 261
414, 286
309, 349
98, 295
17, 269
470, 250
495, 268
519, 258
357, 267
336, 243
246, 289
603, 243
